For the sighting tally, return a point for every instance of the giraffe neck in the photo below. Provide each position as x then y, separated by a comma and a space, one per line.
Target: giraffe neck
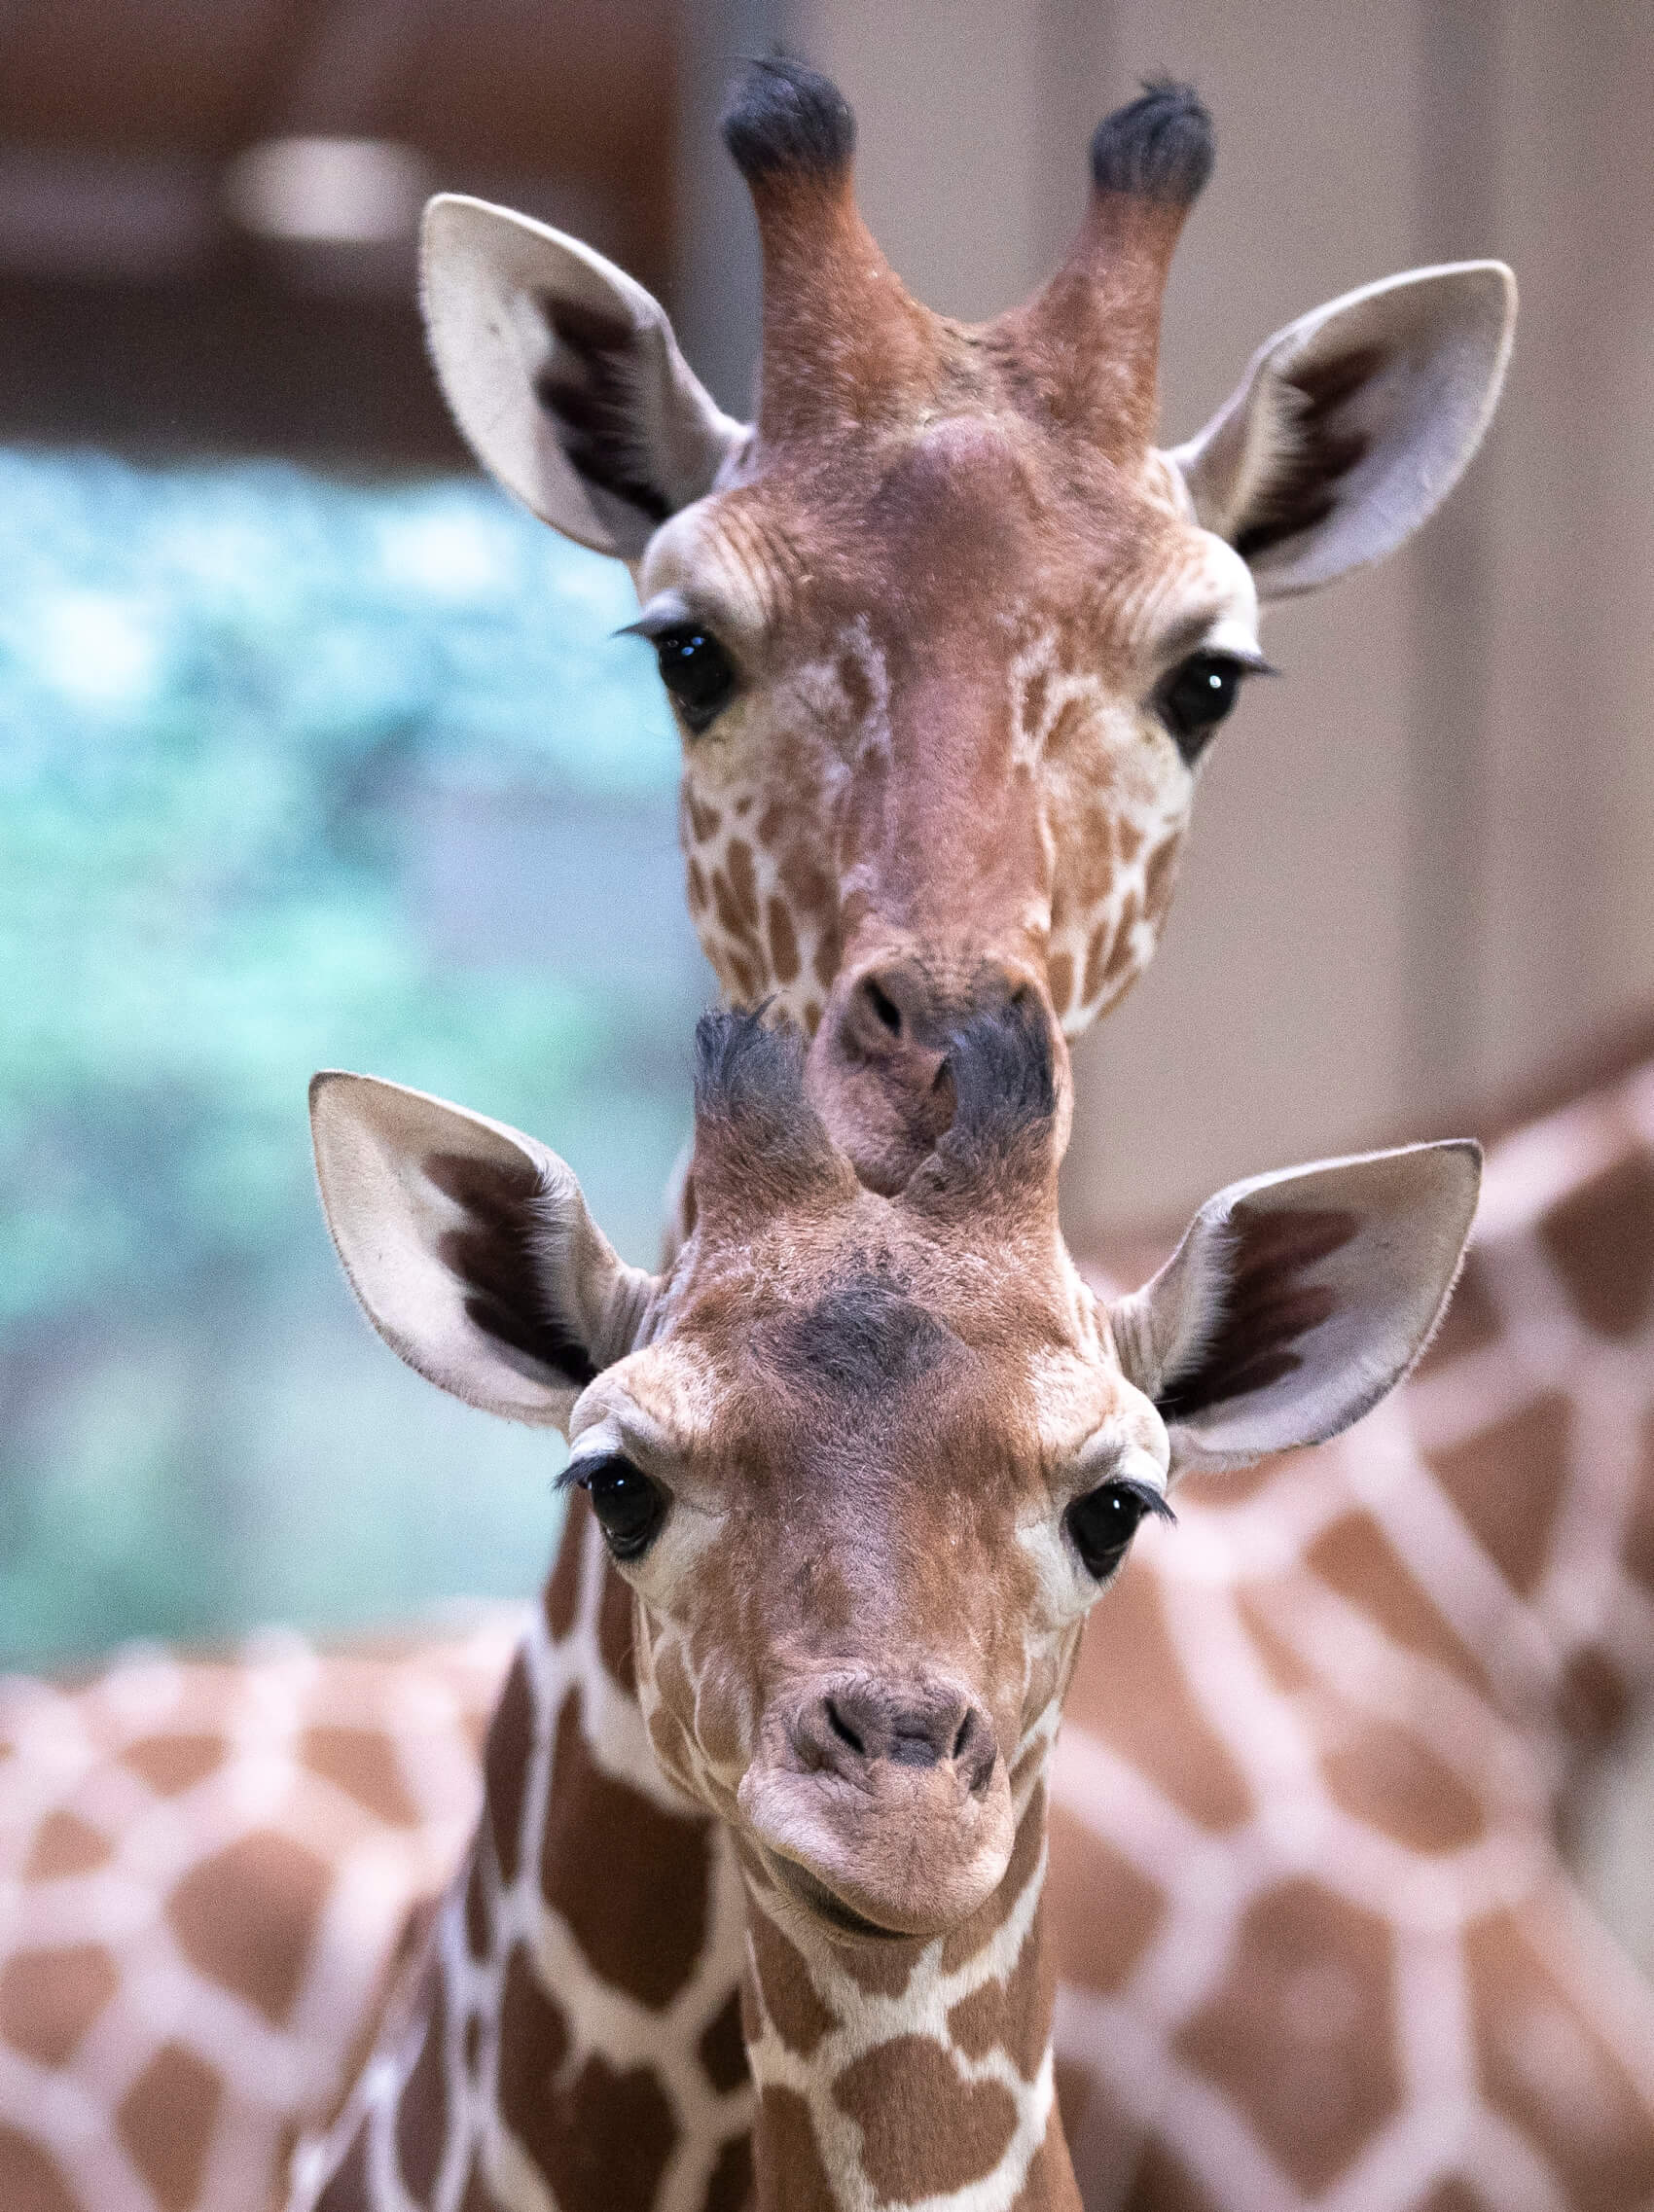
572, 2026
913, 2072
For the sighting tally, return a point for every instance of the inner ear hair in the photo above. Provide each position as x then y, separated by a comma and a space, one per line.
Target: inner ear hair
1304, 451
591, 388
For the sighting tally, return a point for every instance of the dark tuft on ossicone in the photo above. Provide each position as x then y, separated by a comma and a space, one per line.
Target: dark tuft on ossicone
783, 118
1158, 147
1004, 1078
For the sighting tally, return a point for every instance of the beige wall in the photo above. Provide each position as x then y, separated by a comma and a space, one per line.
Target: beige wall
1422, 862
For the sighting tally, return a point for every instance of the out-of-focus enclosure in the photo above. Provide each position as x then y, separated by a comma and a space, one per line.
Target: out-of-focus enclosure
318, 751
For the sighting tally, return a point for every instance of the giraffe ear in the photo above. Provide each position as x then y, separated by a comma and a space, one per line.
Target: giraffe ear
564, 377
1353, 424
470, 1249
1297, 1301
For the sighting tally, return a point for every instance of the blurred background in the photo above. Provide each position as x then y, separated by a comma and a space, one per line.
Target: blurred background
315, 751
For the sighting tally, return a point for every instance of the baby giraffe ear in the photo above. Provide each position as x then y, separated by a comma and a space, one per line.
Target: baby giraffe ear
1353, 424
470, 1249
1297, 1301
564, 377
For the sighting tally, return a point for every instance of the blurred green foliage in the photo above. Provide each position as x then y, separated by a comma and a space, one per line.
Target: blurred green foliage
220, 688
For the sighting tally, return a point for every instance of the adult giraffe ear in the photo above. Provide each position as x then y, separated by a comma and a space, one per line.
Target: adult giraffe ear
1297, 1301
564, 377
470, 1249
1353, 424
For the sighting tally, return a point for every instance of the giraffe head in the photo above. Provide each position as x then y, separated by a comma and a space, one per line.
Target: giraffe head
867, 1461
946, 633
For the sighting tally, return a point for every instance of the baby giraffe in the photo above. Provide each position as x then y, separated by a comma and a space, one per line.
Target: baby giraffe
864, 1463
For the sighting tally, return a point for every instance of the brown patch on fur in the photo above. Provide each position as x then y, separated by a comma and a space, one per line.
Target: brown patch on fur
260, 1954
1013, 2014
1160, 873
1456, 2196
165, 2121
1302, 2029
730, 2188
29, 2180
1600, 1241
1286, 1671
505, 1767
705, 821
64, 1844
1507, 1481
783, 944
49, 1999
800, 2014
479, 1907
563, 1590
1099, 1948
1591, 1695
1388, 1779
1355, 1559
925, 2130
965, 1943
471, 2047
1163, 2182
1168, 1738
615, 1626
421, 2110
1551, 2071
347, 2190
786, 2157
601, 2138
882, 1970
722, 2048
1102, 939
743, 975
363, 1764
1060, 975
644, 1938
698, 895
1638, 1544
173, 1764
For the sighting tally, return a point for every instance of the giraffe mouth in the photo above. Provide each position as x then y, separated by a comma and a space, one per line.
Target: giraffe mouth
824, 1904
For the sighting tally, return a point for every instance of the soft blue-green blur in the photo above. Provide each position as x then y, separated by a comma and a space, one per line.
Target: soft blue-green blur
295, 772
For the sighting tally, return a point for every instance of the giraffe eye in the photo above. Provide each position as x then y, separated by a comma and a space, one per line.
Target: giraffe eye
1193, 698
696, 672
629, 1506
1103, 1522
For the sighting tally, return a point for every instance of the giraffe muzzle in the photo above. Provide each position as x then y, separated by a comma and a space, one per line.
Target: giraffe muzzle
879, 1071
892, 1799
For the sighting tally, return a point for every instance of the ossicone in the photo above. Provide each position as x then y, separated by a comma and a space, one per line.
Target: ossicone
759, 1143
1159, 147
784, 118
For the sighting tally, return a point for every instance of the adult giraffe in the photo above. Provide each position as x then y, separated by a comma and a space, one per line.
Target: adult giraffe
861, 1465
946, 633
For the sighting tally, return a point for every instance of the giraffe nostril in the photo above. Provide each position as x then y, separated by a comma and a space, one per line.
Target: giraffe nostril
963, 1738
842, 1728
883, 1006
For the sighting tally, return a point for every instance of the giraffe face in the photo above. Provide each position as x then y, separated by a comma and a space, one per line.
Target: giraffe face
866, 1480
962, 676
